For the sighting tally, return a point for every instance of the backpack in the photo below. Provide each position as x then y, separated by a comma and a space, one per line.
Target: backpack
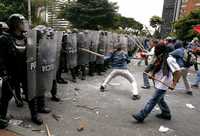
188, 58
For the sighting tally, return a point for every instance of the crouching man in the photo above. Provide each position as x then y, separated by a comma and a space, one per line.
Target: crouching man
119, 59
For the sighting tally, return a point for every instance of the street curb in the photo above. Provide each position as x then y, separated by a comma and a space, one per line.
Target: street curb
22, 131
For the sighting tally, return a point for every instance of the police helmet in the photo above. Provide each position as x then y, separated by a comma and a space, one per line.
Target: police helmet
3, 25
14, 20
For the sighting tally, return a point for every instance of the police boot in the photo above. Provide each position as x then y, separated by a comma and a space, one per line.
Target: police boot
34, 112
73, 73
54, 92
91, 69
3, 110
41, 105
59, 78
19, 102
105, 67
99, 69
83, 70
3, 123
77, 71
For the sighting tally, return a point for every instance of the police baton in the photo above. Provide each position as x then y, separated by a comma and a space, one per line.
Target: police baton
153, 78
91, 52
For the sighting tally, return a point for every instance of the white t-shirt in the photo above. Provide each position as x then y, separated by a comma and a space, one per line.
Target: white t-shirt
168, 79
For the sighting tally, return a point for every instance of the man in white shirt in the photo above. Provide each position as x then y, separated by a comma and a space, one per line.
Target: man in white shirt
151, 57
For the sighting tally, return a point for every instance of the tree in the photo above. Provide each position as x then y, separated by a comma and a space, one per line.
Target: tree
184, 26
8, 7
90, 14
127, 23
36, 5
155, 22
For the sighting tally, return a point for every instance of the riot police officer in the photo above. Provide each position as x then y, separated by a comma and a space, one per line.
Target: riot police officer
3, 27
13, 66
19, 101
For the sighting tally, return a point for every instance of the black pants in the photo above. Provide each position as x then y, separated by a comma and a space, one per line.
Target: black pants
73, 73
100, 68
54, 88
18, 92
7, 92
5, 98
82, 69
59, 73
91, 68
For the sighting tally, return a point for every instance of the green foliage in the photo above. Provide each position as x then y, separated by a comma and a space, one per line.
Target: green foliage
5, 11
34, 9
155, 22
91, 14
125, 23
8, 7
184, 26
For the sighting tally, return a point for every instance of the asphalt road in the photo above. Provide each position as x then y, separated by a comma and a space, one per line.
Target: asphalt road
85, 111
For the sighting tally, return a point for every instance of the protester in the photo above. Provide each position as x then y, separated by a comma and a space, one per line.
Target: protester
178, 54
153, 44
120, 60
162, 72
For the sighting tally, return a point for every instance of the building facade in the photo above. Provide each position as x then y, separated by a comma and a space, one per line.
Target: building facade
188, 5
168, 16
173, 10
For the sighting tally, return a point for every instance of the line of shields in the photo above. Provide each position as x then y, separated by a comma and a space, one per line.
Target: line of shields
44, 48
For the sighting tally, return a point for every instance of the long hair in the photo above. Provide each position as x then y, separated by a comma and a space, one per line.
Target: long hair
161, 54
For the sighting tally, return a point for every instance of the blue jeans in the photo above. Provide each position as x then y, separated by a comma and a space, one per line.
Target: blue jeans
146, 80
145, 77
197, 78
158, 98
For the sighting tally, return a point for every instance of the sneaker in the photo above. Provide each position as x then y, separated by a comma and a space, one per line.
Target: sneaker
102, 89
195, 86
136, 97
145, 87
189, 93
164, 116
137, 118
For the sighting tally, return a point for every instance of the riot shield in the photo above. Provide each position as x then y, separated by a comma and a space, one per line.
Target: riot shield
31, 64
71, 49
132, 48
46, 60
123, 42
114, 40
109, 43
83, 42
101, 47
94, 41
59, 36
